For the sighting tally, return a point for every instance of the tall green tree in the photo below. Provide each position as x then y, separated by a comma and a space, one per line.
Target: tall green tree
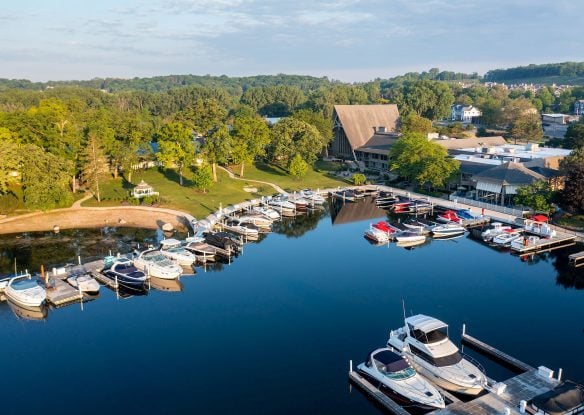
413, 123
323, 125
94, 163
250, 138
202, 177
574, 136
11, 158
45, 179
217, 148
421, 161
175, 147
572, 167
292, 137
527, 128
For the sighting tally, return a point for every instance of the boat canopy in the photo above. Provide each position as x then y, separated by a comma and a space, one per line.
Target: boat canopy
391, 360
425, 323
540, 218
566, 398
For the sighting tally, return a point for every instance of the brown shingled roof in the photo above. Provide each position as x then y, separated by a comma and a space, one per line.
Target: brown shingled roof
509, 174
471, 142
360, 121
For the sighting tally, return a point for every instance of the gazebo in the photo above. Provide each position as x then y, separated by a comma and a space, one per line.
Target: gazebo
143, 189
499, 184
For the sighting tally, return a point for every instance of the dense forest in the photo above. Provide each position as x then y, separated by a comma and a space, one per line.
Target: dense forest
565, 69
59, 137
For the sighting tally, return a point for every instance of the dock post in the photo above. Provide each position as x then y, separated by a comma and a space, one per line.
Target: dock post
560, 370
350, 366
522, 406
463, 329
79, 259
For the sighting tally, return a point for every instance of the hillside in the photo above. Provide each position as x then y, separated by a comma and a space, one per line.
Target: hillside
565, 73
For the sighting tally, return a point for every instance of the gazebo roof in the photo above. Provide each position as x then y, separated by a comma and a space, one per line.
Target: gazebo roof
510, 173
143, 186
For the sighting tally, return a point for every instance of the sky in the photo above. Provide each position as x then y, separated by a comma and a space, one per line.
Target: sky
348, 40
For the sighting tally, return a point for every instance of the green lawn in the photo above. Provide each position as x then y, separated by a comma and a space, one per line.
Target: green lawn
274, 174
226, 191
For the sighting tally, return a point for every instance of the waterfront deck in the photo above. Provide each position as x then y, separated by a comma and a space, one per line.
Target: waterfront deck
60, 293
501, 398
577, 259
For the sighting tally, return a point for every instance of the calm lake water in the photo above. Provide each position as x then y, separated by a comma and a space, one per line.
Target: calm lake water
273, 332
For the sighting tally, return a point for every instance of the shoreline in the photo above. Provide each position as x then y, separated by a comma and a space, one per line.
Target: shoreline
95, 217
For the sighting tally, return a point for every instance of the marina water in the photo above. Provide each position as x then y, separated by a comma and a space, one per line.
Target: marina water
273, 332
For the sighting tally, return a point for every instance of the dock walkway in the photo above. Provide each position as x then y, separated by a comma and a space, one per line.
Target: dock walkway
577, 259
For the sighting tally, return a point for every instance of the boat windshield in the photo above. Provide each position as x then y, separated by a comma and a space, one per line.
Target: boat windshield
392, 365
449, 360
432, 336
24, 284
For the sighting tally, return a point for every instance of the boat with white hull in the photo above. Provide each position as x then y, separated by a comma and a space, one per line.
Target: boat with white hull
497, 228
376, 235
256, 219
394, 376
424, 342
312, 197
267, 212
505, 238
124, 271
155, 264
25, 291
174, 250
408, 236
448, 229
84, 283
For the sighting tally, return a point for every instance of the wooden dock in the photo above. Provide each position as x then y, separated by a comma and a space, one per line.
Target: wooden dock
561, 240
495, 353
500, 398
382, 399
60, 293
577, 259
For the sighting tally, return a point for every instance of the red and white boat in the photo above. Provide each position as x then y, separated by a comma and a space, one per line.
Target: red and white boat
377, 235
448, 216
384, 227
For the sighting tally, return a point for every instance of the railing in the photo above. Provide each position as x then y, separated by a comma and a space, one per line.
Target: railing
502, 209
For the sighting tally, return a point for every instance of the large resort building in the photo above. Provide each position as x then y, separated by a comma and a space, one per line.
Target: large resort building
365, 133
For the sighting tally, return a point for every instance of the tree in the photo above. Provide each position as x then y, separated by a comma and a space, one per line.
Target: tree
537, 196
217, 147
203, 177
93, 162
297, 167
323, 125
422, 161
11, 158
359, 179
574, 137
250, 138
527, 128
45, 179
175, 147
413, 123
572, 167
292, 137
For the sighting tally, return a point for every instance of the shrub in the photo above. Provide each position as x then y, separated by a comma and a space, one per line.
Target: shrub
359, 179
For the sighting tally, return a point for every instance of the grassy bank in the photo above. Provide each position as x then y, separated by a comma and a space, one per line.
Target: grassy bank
226, 191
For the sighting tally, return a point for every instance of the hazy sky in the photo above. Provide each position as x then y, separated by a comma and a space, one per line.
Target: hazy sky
351, 40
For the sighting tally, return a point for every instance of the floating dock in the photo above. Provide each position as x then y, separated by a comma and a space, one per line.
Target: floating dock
501, 398
577, 259
59, 293
561, 240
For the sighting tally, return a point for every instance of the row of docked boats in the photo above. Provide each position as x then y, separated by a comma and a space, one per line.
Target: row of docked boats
417, 357
412, 231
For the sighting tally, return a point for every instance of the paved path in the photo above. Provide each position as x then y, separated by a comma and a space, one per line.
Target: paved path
78, 203
232, 176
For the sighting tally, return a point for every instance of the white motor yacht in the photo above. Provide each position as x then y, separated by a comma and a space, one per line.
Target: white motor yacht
173, 249
407, 236
520, 244
257, 219
248, 230
268, 212
424, 342
157, 265
312, 197
399, 380
25, 291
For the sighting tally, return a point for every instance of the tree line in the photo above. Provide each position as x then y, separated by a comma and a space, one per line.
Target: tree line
568, 69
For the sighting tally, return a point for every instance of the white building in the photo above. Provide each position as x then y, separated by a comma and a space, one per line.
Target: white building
465, 113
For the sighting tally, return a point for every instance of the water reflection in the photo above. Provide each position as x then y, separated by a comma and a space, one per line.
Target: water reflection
30, 313
297, 226
568, 276
166, 285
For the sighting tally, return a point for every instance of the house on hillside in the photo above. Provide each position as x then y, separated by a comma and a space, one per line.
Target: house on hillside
465, 113
364, 133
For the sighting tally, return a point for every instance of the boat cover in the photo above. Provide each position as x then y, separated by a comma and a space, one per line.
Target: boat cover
540, 218
392, 361
563, 399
